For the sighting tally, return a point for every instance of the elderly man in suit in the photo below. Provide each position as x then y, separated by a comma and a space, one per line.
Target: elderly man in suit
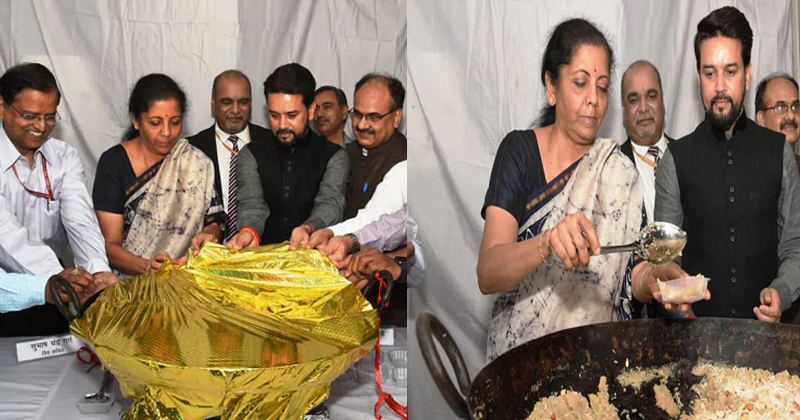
643, 116
231, 100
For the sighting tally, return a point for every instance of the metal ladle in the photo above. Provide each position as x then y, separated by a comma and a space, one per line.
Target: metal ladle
102, 400
659, 243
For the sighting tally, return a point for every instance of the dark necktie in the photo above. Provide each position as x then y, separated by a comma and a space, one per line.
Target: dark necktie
232, 205
654, 152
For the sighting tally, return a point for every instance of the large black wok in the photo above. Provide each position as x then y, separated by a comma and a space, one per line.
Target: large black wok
509, 386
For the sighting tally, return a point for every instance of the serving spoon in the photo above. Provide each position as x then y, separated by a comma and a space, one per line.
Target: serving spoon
659, 243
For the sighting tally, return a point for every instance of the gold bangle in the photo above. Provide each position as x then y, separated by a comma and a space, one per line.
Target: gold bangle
541, 246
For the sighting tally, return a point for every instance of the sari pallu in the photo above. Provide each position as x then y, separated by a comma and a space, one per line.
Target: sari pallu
604, 186
170, 203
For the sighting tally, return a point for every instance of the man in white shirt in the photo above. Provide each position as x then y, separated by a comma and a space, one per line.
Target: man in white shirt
45, 205
44, 202
643, 116
231, 100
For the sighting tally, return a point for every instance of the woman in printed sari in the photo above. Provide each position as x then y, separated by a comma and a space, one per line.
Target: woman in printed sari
154, 194
556, 193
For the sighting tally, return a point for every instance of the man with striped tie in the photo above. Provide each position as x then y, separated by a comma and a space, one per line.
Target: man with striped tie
643, 116
231, 105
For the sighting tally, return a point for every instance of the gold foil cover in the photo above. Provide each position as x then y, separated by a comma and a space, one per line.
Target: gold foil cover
251, 334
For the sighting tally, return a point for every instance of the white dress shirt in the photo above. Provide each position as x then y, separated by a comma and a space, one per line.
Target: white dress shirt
20, 291
416, 265
35, 231
647, 174
224, 157
389, 197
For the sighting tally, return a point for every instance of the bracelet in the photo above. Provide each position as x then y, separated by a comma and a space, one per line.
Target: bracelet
252, 232
541, 246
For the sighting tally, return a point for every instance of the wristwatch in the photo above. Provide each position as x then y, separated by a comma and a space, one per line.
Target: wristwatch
356, 246
403, 263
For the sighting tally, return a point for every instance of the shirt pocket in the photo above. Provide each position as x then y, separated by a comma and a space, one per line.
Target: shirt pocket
52, 222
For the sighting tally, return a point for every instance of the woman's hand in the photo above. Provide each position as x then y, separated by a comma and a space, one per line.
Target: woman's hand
574, 240
645, 285
200, 238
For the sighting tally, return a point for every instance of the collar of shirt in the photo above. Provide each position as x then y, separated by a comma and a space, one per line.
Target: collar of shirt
376, 151
9, 154
244, 135
661, 144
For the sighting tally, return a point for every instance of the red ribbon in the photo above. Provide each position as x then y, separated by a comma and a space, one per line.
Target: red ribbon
398, 408
86, 355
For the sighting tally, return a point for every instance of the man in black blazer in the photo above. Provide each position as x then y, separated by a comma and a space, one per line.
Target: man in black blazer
643, 116
231, 106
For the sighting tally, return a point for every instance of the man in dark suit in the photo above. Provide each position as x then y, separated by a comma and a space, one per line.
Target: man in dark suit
643, 116
231, 106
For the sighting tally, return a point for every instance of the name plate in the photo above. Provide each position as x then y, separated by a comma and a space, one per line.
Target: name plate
387, 336
48, 347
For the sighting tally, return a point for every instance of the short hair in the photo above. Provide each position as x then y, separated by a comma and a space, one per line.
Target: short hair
729, 22
27, 76
638, 63
340, 96
395, 86
148, 89
230, 72
762, 88
564, 42
292, 79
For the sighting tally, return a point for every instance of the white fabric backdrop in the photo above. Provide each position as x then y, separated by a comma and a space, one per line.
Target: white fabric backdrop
98, 49
474, 76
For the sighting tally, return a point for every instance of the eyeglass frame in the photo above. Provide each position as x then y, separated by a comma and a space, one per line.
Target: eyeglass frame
372, 117
795, 104
34, 117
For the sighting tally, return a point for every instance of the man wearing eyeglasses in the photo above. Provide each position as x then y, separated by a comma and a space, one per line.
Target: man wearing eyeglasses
378, 166
778, 107
295, 181
44, 203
